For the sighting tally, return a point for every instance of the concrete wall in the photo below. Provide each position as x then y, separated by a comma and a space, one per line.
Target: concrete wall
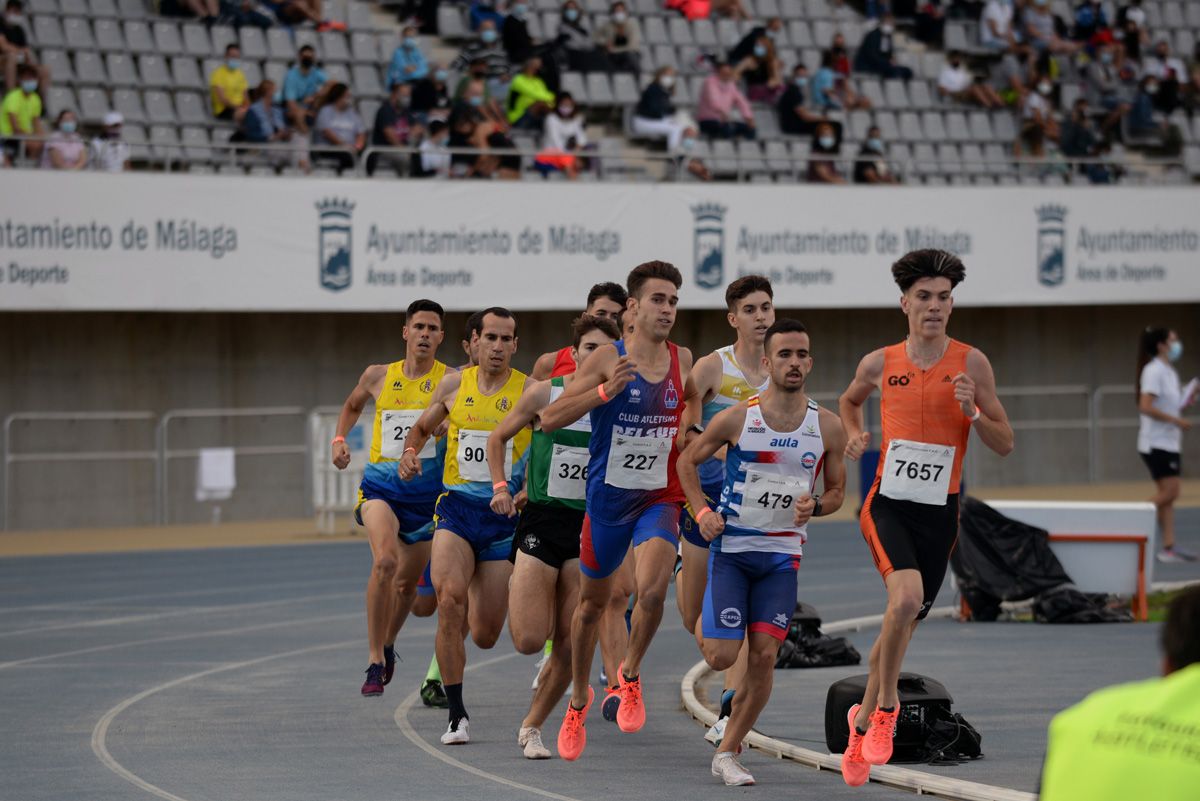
158, 362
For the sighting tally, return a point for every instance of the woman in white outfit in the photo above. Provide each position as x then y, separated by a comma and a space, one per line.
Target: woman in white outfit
656, 115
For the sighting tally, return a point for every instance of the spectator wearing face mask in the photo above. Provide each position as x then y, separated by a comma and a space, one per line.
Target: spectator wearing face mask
432, 158
228, 88
877, 53
265, 123
1038, 111
408, 62
340, 128
996, 29
621, 38
304, 87
529, 98
825, 145
394, 126
1038, 26
832, 92
563, 138
109, 152
21, 115
1010, 78
15, 49
1171, 74
486, 54
1103, 88
1146, 124
761, 70
795, 116
484, 11
872, 166
518, 43
957, 83
841, 55
723, 111
1080, 139
473, 91
583, 55
431, 96
65, 149
656, 116
745, 46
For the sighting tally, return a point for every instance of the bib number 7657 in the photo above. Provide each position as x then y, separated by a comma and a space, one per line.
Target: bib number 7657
917, 471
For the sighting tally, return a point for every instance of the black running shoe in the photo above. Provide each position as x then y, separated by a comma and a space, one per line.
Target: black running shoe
374, 683
389, 663
433, 695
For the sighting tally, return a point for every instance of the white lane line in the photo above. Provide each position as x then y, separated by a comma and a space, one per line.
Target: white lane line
195, 610
416, 739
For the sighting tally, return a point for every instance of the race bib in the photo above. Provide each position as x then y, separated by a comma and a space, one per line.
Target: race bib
472, 456
394, 425
568, 473
917, 471
638, 463
769, 500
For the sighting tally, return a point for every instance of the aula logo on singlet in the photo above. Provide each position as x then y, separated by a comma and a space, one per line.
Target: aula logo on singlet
334, 243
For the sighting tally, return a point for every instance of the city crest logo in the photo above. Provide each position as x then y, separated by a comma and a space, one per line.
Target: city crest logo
709, 245
334, 238
1051, 245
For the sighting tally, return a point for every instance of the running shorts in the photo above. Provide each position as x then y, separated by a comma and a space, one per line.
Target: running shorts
1162, 464
416, 519
603, 546
749, 589
549, 533
489, 534
689, 529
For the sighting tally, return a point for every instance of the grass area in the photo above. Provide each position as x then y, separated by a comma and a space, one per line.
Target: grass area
1158, 603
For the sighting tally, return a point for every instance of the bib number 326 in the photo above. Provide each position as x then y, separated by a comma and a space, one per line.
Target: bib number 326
918, 472
568, 473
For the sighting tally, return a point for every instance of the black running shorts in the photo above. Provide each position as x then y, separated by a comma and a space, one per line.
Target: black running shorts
1162, 464
549, 533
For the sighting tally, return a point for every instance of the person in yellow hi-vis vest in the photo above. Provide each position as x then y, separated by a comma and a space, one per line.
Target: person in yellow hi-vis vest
1138, 740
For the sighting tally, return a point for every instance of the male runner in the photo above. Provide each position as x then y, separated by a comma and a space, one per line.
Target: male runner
470, 340
604, 300
933, 390
470, 541
777, 442
634, 392
544, 590
398, 516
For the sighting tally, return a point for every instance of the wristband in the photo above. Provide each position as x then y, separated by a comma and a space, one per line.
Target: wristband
975, 416
700, 515
337, 439
600, 392
498, 486
406, 450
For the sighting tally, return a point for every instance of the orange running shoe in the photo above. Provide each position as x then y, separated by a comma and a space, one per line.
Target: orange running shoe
572, 736
855, 769
877, 744
631, 715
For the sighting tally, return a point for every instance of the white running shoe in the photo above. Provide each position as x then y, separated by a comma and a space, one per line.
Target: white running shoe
726, 768
538, 669
457, 735
717, 732
1176, 555
530, 738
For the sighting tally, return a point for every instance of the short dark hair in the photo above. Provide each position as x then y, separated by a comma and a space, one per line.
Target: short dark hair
584, 324
232, 46
652, 269
928, 263
436, 127
608, 289
1181, 632
746, 285
336, 93
786, 325
474, 326
307, 47
424, 304
497, 311
26, 70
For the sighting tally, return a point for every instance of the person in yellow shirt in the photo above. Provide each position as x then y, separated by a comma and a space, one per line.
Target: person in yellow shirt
1137, 740
20, 115
529, 99
230, 94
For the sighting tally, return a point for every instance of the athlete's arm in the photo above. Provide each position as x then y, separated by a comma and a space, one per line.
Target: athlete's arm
722, 430
850, 405
544, 366
1146, 407
976, 388
833, 470
605, 366
439, 409
366, 390
532, 400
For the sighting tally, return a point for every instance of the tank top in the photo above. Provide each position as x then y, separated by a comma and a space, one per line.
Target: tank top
918, 406
734, 389
400, 404
766, 471
558, 461
633, 454
564, 363
474, 416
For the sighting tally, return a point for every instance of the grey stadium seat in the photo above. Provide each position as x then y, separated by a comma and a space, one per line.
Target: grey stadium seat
44, 7
332, 47
910, 127
192, 107
93, 104
279, 44
254, 43
895, 93
367, 109
778, 157
704, 33
860, 123
925, 160
301, 37
664, 56
654, 31
933, 125
275, 70
196, 143
889, 128
972, 156
159, 108
121, 69
981, 127
340, 73
47, 32
59, 65
600, 92
138, 37
365, 81
222, 37
872, 90
625, 90
450, 22
253, 72
920, 95
1003, 126
132, 9
154, 72
799, 34
358, 16
103, 8
680, 32
363, 49
956, 127
724, 157
60, 98
108, 36
572, 82
196, 42
164, 142
78, 33
750, 157
129, 103
74, 8
167, 39
949, 159
185, 74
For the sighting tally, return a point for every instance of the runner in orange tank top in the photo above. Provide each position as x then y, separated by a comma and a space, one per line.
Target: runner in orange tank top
933, 391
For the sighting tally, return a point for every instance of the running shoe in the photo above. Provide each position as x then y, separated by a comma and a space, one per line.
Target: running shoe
434, 695
877, 743
572, 736
458, 733
1175, 555
631, 715
855, 769
389, 663
726, 768
612, 702
374, 684
717, 732
530, 738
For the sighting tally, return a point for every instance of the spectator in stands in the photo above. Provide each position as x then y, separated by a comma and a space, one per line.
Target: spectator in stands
21, 115
15, 49
110, 153
1190, 94
529, 99
395, 126
1103, 88
432, 158
298, 12
1040, 30
304, 88
487, 51
1010, 78
484, 11
655, 114
730, 9
564, 138
876, 54
1090, 20
753, 38
930, 23
1079, 139
825, 145
583, 54
1163, 137
473, 91
841, 55
243, 13
795, 117
1132, 38
872, 166
832, 92
339, 126
957, 83
761, 70
467, 131
1132, 12
228, 88
722, 104
515, 33
693, 9
1171, 74
1037, 115
621, 38
996, 30
431, 96
206, 10
1035, 154
408, 62
65, 149
265, 123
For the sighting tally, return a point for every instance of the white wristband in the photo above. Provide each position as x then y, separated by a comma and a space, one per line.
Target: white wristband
975, 416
